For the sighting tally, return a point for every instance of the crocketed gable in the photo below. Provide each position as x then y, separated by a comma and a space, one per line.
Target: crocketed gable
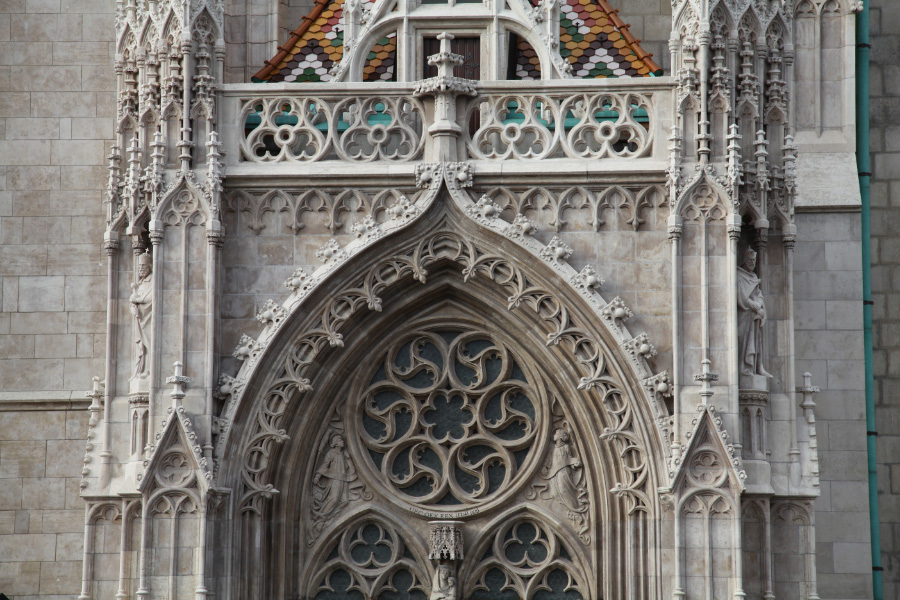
593, 38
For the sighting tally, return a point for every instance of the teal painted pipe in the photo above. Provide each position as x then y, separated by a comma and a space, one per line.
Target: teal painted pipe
863, 164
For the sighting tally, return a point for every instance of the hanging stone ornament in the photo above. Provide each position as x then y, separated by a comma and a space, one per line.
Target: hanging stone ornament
446, 540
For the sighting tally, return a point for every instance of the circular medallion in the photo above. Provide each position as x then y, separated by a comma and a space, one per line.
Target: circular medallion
449, 420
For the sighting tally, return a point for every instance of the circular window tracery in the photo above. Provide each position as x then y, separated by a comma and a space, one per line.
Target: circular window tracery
449, 419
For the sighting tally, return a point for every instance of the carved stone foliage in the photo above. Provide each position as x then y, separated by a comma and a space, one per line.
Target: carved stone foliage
449, 419
321, 207
525, 126
526, 557
414, 261
321, 128
371, 559
604, 207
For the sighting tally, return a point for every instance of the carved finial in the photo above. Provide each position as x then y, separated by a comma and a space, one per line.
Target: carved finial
403, 208
368, 228
178, 380
226, 386
706, 377
95, 393
589, 277
521, 226
331, 252
808, 406
245, 348
485, 209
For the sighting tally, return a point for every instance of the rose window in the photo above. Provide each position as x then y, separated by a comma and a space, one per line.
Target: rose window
449, 419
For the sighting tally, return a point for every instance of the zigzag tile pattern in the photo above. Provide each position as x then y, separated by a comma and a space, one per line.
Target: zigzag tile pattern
592, 38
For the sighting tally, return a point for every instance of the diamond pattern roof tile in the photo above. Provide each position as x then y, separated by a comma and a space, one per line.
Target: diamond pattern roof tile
593, 38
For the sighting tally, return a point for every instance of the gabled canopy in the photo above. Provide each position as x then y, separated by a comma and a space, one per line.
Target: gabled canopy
595, 41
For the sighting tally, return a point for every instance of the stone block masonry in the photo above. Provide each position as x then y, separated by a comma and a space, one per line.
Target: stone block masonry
885, 147
57, 88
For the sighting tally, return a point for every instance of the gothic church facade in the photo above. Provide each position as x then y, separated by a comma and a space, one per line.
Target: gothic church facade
451, 300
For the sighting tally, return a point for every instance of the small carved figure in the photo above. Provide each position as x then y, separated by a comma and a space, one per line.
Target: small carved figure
564, 474
751, 317
334, 484
444, 585
141, 307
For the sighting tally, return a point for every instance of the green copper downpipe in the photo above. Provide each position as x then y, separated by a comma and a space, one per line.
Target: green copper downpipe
863, 165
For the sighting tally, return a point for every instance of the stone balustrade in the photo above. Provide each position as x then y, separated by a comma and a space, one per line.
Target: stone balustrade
568, 120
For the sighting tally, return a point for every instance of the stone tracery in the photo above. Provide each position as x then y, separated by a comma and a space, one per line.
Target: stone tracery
450, 417
439, 443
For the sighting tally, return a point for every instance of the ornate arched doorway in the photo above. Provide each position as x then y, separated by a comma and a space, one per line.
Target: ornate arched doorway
446, 414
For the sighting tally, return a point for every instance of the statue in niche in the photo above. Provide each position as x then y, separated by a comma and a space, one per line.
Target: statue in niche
751, 317
564, 476
335, 484
444, 585
141, 307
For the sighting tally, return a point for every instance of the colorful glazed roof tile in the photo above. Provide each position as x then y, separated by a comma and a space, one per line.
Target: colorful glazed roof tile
593, 39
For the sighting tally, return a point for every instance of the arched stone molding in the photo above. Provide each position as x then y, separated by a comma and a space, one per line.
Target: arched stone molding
704, 198
334, 551
175, 490
707, 486
449, 244
563, 552
793, 534
446, 302
468, 256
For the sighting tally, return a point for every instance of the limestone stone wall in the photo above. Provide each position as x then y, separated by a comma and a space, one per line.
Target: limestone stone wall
828, 304
885, 147
57, 111
41, 513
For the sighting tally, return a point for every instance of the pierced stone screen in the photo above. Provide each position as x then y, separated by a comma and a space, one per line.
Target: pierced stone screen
449, 418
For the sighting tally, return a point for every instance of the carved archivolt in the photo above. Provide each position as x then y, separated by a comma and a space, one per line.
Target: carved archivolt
413, 260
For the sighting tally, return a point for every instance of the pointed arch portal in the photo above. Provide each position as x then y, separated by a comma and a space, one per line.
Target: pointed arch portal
457, 374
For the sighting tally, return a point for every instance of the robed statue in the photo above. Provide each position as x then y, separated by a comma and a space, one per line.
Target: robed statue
444, 585
141, 307
335, 484
751, 317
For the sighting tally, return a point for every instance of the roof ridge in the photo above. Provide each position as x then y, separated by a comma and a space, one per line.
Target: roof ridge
596, 41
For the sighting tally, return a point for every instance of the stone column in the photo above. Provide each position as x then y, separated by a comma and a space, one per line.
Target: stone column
156, 238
